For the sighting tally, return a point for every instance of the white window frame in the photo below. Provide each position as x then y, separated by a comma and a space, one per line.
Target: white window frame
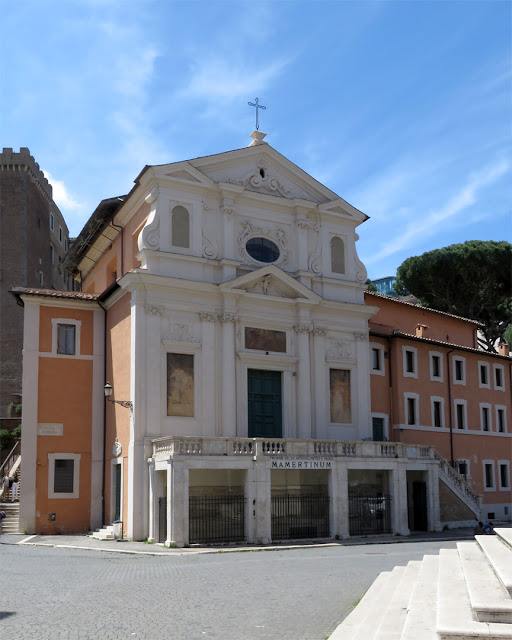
380, 348
482, 364
438, 354
414, 350
55, 336
51, 476
485, 405
504, 463
500, 367
416, 397
464, 403
468, 467
493, 464
441, 400
461, 359
497, 409
385, 417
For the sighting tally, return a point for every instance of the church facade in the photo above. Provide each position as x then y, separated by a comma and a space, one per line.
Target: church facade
223, 306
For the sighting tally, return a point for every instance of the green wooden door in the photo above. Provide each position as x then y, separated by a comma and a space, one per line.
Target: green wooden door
265, 404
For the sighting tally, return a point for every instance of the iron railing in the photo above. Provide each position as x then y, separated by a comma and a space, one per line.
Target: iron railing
299, 516
369, 514
215, 519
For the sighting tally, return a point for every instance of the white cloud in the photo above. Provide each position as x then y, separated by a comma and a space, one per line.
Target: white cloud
221, 79
61, 195
427, 224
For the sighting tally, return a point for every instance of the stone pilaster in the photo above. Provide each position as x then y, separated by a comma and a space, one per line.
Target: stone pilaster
228, 381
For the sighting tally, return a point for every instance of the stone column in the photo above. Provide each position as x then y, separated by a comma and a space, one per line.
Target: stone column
343, 505
304, 395
399, 497
320, 385
434, 512
151, 467
208, 378
228, 381
177, 504
263, 528
362, 385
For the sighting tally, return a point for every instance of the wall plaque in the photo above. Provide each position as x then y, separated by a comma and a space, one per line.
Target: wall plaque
50, 429
301, 462
265, 339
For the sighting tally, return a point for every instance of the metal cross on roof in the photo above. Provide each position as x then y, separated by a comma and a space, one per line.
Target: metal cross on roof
258, 106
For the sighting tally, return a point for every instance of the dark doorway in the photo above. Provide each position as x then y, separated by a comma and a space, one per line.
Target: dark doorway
378, 429
117, 490
162, 519
264, 404
419, 501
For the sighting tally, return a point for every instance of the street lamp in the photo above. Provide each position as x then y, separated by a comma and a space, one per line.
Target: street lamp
127, 404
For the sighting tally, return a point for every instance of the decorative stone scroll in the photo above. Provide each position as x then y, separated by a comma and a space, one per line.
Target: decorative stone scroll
208, 317
210, 247
276, 235
303, 327
228, 317
262, 179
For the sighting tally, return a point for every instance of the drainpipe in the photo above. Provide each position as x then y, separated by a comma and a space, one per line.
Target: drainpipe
391, 417
104, 414
119, 228
452, 461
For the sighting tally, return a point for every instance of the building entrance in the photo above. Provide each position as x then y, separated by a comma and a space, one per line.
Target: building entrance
265, 413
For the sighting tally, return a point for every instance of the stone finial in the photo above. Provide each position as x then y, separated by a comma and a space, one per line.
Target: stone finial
421, 330
257, 138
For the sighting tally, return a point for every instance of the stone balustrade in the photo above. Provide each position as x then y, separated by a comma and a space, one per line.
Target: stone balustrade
459, 481
258, 447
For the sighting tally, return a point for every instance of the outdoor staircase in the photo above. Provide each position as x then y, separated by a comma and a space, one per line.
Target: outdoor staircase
11, 522
107, 533
461, 594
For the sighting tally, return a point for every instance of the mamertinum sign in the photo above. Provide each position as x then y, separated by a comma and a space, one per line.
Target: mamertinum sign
301, 462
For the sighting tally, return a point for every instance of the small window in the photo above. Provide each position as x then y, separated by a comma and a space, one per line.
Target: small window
52, 253
60, 234
463, 468
378, 427
460, 414
377, 359
485, 418
411, 409
500, 420
504, 475
180, 227
489, 476
51, 221
41, 279
483, 375
459, 371
65, 244
337, 255
64, 474
409, 362
437, 413
436, 366
66, 339
499, 377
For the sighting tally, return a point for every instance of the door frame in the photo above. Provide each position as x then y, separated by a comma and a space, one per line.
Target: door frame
114, 463
279, 377
288, 367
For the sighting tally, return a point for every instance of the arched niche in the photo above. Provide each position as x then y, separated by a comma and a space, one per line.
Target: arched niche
180, 227
337, 255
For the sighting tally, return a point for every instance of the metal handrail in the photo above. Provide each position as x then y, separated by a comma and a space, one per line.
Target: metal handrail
11, 457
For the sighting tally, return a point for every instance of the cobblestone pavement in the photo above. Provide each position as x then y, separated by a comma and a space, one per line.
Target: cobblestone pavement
302, 594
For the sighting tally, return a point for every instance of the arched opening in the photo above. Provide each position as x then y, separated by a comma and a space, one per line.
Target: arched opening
180, 227
337, 255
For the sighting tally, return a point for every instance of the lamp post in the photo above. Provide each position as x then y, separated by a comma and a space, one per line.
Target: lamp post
127, 404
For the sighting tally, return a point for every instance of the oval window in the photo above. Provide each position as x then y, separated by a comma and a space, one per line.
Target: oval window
262, 250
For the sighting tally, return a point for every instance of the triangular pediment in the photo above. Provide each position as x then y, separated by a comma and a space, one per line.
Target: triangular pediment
270, 282
183, 172
341, 207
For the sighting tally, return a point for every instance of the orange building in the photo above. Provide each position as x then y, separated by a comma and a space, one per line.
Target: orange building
430, 385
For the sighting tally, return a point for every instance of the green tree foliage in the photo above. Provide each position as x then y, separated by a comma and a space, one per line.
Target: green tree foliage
370, 286
473, 280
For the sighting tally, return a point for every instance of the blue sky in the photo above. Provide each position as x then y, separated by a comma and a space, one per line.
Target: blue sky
403, 108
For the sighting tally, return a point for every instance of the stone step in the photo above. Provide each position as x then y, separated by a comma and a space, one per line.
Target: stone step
454, 614
106, 533
490, 601
500, 557
420, 623
365, 618
393, 622
505, 536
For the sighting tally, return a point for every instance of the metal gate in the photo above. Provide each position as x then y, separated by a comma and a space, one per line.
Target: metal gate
299, 516
369, 514
216, 519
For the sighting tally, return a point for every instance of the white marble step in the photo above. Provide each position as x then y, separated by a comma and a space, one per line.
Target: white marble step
365, 618
500, 557
454, 614
489, 599
505, 535
420, 623
104, 534
392, 624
